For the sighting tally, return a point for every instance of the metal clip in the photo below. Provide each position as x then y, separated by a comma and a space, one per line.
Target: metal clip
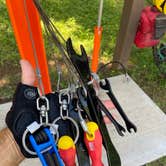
82, 121
63, 93
64, 105
64, 100
95, 82
43, 107
95, 77
59, 77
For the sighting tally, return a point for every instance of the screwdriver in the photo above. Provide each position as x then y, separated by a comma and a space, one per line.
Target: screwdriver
93, 142
67, 150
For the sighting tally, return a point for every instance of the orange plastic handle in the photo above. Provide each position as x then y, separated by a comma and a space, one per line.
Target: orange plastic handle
16, 9
96, 49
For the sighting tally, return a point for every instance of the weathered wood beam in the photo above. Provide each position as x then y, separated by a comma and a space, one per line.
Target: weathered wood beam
128, 27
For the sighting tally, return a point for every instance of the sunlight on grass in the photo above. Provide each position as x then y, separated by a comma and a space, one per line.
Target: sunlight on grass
2, 1
78, 34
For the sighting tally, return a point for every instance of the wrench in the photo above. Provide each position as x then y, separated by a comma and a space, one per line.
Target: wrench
120, 129
106, 86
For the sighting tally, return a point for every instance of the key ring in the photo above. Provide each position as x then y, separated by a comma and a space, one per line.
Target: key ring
71, 120
32, 152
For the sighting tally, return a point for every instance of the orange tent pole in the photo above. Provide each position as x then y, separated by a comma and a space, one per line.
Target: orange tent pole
97, 40
22, 27
96, 49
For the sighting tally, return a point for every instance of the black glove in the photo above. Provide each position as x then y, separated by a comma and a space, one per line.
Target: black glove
22, 113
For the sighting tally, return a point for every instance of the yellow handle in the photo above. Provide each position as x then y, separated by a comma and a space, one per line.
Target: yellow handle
161, 5
92, 127
65, 143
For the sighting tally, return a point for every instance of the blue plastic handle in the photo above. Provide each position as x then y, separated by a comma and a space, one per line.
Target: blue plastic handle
41, 147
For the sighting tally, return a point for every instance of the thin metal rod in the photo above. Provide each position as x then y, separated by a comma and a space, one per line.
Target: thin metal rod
100, 13
38, 72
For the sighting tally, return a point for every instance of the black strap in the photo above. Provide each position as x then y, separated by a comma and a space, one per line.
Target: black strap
112, 154
82, 153
51, 159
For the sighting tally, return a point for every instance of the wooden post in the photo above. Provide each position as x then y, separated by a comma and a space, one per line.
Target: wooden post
128, 27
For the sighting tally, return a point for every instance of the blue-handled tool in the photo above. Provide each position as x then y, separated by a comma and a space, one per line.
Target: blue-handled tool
48, 148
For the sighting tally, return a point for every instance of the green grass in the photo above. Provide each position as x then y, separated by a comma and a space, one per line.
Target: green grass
76, 19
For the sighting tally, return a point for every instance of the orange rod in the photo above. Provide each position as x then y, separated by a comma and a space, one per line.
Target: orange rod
20, 26
96, 49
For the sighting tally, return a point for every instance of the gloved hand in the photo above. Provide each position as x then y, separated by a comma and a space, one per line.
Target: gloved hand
23, 111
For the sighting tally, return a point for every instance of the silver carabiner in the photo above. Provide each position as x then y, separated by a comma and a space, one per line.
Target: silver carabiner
64, 104
64, 107
43, 107
63, 93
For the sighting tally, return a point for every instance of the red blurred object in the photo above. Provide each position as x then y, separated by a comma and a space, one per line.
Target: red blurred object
145, 36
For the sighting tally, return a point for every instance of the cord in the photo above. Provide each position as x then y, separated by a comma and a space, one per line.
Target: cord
111, 62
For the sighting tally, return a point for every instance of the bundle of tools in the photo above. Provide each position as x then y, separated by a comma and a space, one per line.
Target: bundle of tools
71, 120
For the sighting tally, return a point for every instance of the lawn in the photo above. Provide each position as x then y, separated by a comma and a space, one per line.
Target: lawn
76, 19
